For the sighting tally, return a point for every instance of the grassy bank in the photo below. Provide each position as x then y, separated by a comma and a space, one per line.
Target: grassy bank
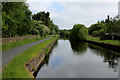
97, 39
16, 68
19, 43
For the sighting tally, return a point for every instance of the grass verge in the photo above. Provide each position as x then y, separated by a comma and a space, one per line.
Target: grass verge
19, 43
16, 67
97, 39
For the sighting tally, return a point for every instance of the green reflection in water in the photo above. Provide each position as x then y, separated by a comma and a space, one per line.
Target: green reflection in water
78, 46
109, 56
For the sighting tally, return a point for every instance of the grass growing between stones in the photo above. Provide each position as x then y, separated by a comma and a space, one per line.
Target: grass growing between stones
97, 39
19, 43
16, 67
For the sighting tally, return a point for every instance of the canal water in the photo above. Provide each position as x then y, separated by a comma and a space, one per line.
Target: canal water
73, 59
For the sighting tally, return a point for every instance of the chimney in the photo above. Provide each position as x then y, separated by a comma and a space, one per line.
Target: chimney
108, 18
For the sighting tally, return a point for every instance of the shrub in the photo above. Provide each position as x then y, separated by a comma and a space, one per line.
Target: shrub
79, 32
83, 33
96, 27
95, 33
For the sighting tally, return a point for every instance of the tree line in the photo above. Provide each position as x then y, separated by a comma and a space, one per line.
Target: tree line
109, 27
17, 20
78, 32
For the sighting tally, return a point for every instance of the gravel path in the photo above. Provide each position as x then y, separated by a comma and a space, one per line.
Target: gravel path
9, 54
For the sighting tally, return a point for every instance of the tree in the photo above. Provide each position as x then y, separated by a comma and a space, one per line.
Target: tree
39, 28
64, 33
83, 33
97, 27
95, 33
16, 19
42, 16
79, 32
53, 28
113, 26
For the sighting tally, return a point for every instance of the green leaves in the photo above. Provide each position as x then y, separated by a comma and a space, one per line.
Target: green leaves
97, 27
83, 33
42, 16
64, 33
44, 19
95, 33
39, 29
16, 19
114, 26
79, 32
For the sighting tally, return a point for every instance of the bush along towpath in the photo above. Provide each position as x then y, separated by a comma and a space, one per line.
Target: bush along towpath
20, 56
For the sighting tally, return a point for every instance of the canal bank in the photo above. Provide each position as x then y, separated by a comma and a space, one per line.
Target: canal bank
16, 67
106, 45
34, 65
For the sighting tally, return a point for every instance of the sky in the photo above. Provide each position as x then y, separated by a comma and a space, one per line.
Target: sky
66, 13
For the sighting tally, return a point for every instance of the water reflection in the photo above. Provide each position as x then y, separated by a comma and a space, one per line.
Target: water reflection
46, 61
63, 38
78, 46
62, 62
109, 57
55, 45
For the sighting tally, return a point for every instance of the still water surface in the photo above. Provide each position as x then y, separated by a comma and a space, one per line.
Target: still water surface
72, 59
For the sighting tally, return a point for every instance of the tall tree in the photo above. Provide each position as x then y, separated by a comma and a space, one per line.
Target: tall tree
114, 26
16, 18
79, 32
97, 27
42, 16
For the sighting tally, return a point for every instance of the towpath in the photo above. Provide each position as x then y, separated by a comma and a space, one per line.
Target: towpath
11, 53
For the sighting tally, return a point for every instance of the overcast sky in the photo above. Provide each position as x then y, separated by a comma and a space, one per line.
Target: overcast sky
66, 13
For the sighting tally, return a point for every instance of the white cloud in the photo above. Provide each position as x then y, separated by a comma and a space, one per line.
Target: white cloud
85, 13
73, 0
38, 6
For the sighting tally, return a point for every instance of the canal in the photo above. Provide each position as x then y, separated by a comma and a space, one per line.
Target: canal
73, 59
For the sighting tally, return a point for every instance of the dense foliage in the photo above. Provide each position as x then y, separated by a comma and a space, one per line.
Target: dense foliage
113, 26
95, 33
79, 32
97, 28
109, 26
83, 33
42, 16
39, 29
64, 33
17, 20
45, 19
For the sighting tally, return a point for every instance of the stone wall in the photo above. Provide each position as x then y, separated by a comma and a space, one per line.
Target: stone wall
18, 38
34, 65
